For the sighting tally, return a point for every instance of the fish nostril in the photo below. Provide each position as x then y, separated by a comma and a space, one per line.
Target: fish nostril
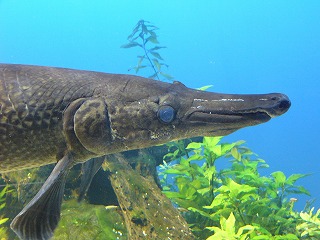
284, 104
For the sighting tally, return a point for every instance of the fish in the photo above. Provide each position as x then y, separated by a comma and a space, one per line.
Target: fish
66, 116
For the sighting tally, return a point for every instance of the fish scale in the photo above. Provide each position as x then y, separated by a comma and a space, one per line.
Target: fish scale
31, 116
67, 116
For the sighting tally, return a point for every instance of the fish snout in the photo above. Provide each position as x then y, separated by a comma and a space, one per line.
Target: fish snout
281, 104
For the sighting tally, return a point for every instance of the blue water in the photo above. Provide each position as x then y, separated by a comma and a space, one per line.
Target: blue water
238, 46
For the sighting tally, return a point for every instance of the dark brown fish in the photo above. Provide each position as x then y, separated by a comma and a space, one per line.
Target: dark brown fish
68, 116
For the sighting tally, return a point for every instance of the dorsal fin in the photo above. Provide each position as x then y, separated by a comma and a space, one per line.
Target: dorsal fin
39, 218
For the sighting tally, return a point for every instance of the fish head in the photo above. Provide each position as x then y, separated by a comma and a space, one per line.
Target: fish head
154, 114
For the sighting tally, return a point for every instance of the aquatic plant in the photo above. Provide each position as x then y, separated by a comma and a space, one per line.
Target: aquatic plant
87, 221
236, 202
3, 219
143, 35
24, 184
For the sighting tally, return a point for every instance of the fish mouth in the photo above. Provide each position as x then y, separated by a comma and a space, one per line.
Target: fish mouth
206, 117
224, 123
240, 111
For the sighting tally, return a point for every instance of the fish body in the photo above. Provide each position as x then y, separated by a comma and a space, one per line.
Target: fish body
67, 116
32, 105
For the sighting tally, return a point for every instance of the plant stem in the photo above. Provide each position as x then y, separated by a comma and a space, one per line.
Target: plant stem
242, 219
146, 54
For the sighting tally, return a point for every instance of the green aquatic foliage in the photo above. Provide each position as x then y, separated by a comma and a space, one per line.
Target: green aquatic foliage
145, 37
25, 182
3, 219
310, 227
236, 202
87, 221
228, 231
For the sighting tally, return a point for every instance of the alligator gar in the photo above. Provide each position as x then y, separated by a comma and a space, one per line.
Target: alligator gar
67, 116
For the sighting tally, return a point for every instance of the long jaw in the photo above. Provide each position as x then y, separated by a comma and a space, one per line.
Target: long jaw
235, 111
207, 116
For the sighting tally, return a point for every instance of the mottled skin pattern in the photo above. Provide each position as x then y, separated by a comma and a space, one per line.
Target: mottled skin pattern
31, 108
46, 111
32, 104
68, 116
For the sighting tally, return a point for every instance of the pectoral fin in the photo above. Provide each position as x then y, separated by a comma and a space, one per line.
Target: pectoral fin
39, 218
89, 169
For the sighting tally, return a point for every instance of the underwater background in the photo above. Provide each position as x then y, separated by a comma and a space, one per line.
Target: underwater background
236, 46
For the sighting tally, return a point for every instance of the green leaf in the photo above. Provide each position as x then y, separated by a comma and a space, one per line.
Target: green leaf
294, 177
156, 48
289, 236
140, 59
153, 75
153, 39
261, 237
248, 228
138, 68
214, 229
203, 191
189, 194
203, 213
216, 150
264, 165
236, 191
157, 55
303, 190
3, 220
3, 192
144, 29
279, 177
184, 162
229, 224
195, 157
136, 28
131, 44
211, 141
236, 154
152, 26
172, 195
156, 63
209, 172
194, 145
174, 171
163, 64
167, 76
226, 147
240, 142
204, 88
219, 200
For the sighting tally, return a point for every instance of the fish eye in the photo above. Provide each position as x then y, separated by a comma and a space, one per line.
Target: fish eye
166, 114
